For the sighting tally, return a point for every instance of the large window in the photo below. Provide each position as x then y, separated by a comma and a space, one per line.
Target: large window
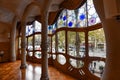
86, 47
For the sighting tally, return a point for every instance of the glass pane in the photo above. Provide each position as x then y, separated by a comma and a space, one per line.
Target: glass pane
19, 42
37, 41
52, 28
61, 41
30, 43
97, 68
71, 43
71, 18
53, 44
97, 44
37, 26
76, 44
38, 54
82, 16
29, 30
93, 17
61, 59
76, 63
82, 44
62, 19
49, 44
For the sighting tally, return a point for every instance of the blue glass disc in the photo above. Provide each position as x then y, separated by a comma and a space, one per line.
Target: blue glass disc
70, 24
64, 18
82, 17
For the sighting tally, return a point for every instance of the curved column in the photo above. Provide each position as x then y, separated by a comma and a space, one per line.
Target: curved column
112, 31
44, 46
23, 46
13, 41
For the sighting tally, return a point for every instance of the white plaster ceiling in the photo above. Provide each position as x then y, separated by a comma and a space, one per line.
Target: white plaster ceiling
11, 8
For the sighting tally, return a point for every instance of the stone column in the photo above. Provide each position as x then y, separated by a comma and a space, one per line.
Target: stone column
23, 46
13, 40
111, 28
44, 46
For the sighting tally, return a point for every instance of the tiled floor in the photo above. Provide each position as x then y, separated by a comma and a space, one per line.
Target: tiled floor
12, 71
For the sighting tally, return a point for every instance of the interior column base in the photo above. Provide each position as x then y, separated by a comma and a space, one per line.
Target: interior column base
23, 66
44, 78
13, 59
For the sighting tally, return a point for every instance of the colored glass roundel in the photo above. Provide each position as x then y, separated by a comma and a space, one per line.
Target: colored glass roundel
50, 27
61, 17
53, 31
64, 18
93, 17
70, 24
92, 20
82, 17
